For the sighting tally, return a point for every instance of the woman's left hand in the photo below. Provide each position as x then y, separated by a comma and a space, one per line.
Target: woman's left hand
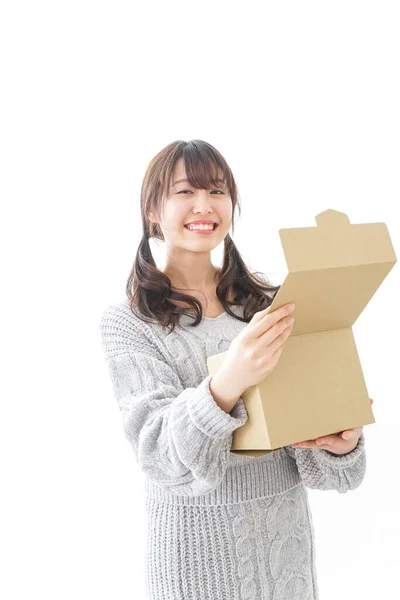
338, 443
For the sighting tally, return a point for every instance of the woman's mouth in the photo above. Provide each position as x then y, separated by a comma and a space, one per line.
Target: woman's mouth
204, 229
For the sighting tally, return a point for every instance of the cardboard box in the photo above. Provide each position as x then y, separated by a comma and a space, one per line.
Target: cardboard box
317, 388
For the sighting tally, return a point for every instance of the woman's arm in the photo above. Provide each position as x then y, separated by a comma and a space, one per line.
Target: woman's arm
181, 437
323, 470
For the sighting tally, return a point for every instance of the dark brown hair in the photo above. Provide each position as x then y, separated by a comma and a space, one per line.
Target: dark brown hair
149, 289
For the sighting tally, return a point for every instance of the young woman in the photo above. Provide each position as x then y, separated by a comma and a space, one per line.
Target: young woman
220, 525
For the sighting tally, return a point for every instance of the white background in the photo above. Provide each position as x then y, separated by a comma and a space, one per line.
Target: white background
302, 99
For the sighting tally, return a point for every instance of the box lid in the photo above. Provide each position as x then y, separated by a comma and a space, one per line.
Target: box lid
334, 269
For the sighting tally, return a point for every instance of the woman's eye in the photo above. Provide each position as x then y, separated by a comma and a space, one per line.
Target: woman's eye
183, 191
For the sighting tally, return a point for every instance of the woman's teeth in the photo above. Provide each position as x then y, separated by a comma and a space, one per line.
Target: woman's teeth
201, 227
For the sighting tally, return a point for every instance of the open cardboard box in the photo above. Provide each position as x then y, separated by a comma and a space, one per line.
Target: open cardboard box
317, 387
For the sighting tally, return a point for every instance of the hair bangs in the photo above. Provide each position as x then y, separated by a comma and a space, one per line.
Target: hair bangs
203, 171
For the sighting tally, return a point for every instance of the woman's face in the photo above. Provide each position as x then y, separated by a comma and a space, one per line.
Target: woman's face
186, 204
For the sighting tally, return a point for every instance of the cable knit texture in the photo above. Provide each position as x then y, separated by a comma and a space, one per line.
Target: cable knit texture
221, 526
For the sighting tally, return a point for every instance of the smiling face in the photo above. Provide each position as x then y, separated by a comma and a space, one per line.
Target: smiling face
186, 203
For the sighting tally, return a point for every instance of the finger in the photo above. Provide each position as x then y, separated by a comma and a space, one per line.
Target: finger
260, 314
312, 444
259, 324
371, 401
331, 440
352, 434
306, 443
327, 440
340, 447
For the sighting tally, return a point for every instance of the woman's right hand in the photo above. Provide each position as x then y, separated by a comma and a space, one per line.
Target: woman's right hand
256, 350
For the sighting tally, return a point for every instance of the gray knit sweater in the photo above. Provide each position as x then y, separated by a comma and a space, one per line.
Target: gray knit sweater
221, 526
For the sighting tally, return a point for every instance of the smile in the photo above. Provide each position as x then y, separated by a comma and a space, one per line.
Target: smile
203, 229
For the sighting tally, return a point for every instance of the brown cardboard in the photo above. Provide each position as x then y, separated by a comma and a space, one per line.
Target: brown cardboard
318, 387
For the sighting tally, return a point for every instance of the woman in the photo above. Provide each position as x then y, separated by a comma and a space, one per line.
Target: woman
220, 525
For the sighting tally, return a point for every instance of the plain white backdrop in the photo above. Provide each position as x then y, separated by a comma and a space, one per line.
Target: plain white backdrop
302, 99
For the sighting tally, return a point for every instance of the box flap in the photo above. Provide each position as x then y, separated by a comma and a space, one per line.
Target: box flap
334, 270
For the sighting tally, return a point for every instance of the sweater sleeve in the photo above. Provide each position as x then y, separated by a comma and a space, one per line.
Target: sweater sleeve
181, 438
323, 470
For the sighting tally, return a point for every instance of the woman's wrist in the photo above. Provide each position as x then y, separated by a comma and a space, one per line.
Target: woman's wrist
224, 395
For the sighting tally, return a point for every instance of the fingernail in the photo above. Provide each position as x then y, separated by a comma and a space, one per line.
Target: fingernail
319, 442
